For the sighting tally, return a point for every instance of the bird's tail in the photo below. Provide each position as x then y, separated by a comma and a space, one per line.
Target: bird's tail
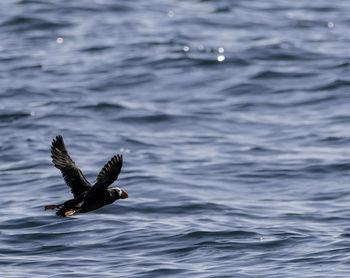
68, 208
62, 210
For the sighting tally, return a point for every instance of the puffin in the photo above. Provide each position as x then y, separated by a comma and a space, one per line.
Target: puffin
86, 197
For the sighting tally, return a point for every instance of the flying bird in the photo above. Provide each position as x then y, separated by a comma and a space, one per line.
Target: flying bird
86, 197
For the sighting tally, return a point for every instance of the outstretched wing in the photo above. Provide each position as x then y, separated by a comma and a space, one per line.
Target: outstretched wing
109, 172
71, 173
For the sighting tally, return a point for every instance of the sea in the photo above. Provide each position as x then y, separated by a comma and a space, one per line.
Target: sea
233, 119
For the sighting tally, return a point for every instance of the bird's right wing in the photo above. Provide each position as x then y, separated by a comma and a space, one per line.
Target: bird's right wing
71, 173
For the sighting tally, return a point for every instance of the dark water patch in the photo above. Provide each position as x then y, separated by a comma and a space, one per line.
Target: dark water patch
30, 2
329, 196
22, 92
178, 251
22, 23
161, 272
243, 89
317, 100
313, 218
103, 106
95, 7
341, 64
267, 173
134, 141
122, 81
310, 260
223, 10
10, 59
327, 168
98, 48
335, 140
258, 150
334, 85
324, 9
61, 116
252, 106
341, 119
73, 8
346, 235
11, 117
157, 118
55, 103
276, 74
26, 68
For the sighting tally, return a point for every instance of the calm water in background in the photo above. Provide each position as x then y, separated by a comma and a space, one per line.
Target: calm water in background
233, 118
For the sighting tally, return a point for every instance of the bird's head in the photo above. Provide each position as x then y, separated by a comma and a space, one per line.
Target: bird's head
119, 193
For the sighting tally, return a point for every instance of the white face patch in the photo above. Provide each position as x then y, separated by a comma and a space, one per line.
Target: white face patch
118, 190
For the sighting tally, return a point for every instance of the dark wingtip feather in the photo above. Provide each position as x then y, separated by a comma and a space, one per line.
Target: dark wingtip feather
57, 142
57, 148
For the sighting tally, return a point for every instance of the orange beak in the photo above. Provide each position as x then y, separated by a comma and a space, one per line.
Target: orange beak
124, 195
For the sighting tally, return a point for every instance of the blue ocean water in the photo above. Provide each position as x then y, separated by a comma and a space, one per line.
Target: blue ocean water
233, 118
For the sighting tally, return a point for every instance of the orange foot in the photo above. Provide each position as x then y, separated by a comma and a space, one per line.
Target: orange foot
70, 212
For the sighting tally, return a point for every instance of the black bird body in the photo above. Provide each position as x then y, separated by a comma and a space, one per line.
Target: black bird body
86, 197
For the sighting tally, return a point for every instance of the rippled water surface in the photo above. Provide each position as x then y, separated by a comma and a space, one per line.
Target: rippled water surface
233, 118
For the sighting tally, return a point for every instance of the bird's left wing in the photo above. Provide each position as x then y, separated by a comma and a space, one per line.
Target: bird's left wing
109, 172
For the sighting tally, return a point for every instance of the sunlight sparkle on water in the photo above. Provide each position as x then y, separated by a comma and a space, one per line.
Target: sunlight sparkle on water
59, 40
221, 58
125, 150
